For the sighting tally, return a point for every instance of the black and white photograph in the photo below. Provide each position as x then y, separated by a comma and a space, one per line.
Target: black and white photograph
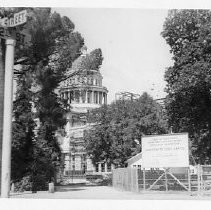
105, 103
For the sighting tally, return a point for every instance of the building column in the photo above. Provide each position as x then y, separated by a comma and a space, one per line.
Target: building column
98, 96
104, 98
92, 97
86, 96
106, 167
99, 167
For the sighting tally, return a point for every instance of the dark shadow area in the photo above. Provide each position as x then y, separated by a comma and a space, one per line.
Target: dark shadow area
68, 189
74, 187
20, 193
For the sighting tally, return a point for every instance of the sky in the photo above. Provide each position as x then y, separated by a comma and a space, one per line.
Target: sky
135, 54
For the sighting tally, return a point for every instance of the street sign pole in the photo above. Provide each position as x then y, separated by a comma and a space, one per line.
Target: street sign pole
1, 101
7, 119
5, 23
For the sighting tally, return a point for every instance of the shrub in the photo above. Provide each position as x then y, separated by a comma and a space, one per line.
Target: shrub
23, 185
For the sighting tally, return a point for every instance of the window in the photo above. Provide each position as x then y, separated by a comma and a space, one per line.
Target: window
103, 167
100, 98
83, 167
84, 157
109, 167
73, 158
77, 95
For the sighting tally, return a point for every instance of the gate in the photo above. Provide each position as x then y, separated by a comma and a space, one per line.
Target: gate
175, 179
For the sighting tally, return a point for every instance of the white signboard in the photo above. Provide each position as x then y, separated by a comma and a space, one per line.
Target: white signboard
160, 151
17, 19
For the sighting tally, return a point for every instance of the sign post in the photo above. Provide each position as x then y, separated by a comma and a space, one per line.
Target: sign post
5, 23
7, 119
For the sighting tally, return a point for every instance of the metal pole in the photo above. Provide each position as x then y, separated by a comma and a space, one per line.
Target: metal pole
136, 179
131, 179
166, 180
144, 180
7, 119
1, 100
189, 180
199, 180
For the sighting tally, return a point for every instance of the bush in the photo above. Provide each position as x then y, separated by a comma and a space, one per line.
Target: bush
23, 185
102, 179
107, 180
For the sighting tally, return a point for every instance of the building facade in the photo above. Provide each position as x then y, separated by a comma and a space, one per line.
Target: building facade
83, 92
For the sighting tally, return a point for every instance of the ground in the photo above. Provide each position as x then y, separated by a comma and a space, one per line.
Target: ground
107, 192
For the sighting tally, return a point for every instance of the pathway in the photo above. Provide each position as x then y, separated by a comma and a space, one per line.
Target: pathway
105, 192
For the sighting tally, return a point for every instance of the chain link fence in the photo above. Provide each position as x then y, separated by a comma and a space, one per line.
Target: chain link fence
170, 179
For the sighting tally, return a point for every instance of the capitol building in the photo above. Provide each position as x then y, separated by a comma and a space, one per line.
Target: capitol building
83, 91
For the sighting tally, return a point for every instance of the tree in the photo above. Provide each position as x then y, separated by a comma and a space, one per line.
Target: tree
23, 130
90, 61
53, 47
117, 128
188, 103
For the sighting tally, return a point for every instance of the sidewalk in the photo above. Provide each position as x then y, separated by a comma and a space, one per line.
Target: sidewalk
105, 192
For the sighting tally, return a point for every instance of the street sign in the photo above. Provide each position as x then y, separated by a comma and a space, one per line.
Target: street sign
17, 19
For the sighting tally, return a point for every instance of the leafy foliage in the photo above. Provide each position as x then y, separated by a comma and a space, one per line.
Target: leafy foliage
118, 126
62, 46
54, 45
91, 61
188, 104
23, 130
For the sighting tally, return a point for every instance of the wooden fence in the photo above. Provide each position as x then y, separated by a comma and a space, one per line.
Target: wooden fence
125, 179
